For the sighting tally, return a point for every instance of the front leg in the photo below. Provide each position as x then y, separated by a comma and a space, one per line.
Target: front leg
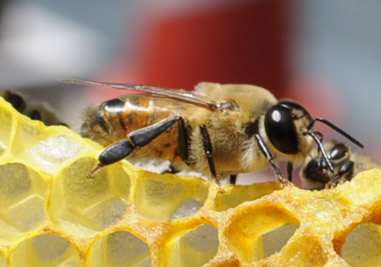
270, 158
135, 139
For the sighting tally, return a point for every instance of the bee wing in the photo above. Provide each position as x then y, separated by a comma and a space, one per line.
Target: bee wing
176, 94
159, 103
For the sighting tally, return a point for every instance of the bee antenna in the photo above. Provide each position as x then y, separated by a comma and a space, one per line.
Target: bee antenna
336, 128
321, 147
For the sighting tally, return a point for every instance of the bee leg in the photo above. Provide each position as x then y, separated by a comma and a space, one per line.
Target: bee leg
345, 173
208, 148
138, 138
270, 158
346, 170
183, 140
171, 169
233, 179
290, 168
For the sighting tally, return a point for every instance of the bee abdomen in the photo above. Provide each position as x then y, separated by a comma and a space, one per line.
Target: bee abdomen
136, 114
114, 119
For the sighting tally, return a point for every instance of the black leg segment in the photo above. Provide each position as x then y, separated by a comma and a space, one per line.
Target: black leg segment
345, 173
171, 169
138, 138
208, 150
183, 140
270, 158
145, 135
116, 152
233, 179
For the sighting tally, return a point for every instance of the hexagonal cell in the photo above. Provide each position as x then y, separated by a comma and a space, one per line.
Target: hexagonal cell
362, 246
259, 231
164, 197
45, 250
27, 213
186, 208
28, 135
43, 148
54, 151
235, 195
194, 248
22, 193
305, 249
15, 182
273, 241
106, 212
84, 206
119, 249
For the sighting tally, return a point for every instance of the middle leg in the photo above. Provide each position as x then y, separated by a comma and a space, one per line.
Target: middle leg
208, 148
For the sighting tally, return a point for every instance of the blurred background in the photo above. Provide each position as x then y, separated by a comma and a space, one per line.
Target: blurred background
324, 54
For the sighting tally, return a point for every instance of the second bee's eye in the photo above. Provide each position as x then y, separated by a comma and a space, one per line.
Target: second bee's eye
338, 151
280, 129
347, 167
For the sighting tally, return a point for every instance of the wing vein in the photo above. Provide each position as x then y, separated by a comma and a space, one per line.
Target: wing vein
177, 94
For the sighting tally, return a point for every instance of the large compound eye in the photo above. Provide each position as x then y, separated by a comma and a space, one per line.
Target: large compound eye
347, 169
339, 151
280, 128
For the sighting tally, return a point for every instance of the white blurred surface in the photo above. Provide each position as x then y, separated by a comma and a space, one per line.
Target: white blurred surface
38, 45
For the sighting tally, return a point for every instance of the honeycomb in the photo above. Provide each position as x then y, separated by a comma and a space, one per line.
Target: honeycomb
51, 214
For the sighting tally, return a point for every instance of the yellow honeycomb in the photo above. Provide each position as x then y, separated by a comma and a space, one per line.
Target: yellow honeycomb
51, 214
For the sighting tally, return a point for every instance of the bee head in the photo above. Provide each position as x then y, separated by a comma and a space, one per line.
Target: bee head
288, 123
317, 170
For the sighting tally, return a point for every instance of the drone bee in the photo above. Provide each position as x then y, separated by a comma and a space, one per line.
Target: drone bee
217, 130
317, 175
33, 109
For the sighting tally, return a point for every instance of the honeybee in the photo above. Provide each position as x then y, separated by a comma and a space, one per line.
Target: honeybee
316, 174
217, 130
35, 110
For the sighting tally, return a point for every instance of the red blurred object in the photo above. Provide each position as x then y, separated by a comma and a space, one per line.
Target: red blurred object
242, 42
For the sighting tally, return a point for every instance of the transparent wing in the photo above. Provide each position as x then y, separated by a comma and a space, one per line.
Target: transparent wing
158, 104
176, 94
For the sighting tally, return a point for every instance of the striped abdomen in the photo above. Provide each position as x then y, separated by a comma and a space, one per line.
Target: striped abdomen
113, 120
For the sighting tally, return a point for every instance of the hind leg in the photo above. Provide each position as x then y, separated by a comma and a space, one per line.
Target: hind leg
135, 139
271, 159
